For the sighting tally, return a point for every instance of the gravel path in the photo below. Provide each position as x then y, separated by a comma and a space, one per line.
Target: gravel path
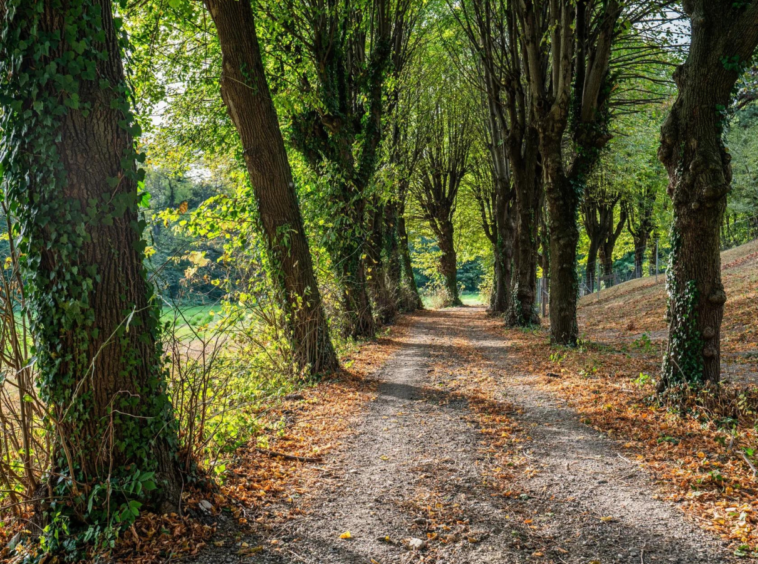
417, 466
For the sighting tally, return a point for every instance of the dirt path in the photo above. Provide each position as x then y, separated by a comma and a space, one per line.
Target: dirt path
418, 467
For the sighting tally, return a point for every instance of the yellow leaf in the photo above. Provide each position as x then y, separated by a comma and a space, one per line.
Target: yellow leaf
606, 519
346, 535
701, 455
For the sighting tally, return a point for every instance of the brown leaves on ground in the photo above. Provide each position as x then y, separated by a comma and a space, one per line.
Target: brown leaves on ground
699, 461
261, 486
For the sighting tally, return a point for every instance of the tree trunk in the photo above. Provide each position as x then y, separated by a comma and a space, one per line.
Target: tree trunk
410, 299
392, 245
385, 307
724, 36
498, 292
640, 244
563, 203
448, 265
358, 314
653, 256
592, 265
503, 254
73, 175
528, 186
545, 244
606, 260
608, 243
253, 114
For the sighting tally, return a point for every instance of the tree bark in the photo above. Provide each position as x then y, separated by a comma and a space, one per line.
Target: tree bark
608, 244
392, 245
502, 249
640, 244
591, 269
410, 299
385, 308
448, 265
527, 181
724, 37
356, 306
245, 91
545, 244
73, 174
653, 256
563, 203
640, 225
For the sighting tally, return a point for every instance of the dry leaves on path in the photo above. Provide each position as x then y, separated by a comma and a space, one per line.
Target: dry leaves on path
267, 485
698, 463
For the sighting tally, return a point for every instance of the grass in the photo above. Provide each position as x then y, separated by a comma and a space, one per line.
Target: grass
468, 299
195, 316
472, 299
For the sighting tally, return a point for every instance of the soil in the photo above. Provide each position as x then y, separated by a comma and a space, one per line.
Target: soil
413, 484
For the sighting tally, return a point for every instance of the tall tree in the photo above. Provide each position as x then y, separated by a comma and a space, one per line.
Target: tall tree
444, 163
498, 225
597, 210
71, 174
550, 95
407, 146
640, 207
380, 288
384, 244
608, 243
341, 56
570, 87
245, 91
724, 36
490, 27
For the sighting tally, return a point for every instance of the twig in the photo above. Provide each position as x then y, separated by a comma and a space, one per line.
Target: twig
297, 556
625, 459
274, 453
752, 466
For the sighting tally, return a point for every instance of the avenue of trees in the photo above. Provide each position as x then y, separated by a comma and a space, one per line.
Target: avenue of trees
308, 163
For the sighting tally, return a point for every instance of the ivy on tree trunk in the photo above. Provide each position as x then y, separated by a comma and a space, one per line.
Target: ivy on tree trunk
73, 182
724, 39
245, 91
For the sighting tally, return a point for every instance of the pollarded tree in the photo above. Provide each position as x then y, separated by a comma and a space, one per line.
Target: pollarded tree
498, 226
383, 245
339, 54
570, 76
575, 59
405, 148
491, 29
245, 91
597, 209
72, 178
640, 208
443, 164
724, 36
608, 242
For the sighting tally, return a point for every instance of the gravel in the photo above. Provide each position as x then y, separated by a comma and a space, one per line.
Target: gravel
417, 462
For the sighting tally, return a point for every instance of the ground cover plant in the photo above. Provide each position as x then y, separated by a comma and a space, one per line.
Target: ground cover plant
378, 280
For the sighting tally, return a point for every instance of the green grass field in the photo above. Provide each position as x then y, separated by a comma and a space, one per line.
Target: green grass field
468, 298
195, 316
472, 299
